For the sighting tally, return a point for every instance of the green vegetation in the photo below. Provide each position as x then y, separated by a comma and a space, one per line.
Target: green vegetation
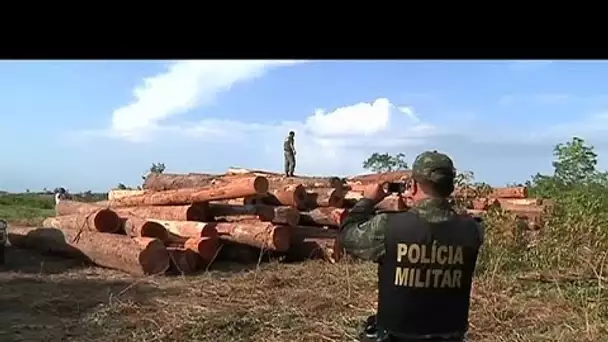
31, 208
385, 162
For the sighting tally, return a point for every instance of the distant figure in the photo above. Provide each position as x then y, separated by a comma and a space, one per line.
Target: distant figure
290, 154
59, 195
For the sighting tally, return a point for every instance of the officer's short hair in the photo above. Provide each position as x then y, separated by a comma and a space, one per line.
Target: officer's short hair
292, 133
435, 173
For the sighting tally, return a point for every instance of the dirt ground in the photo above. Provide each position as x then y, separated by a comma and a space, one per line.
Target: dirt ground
45, 298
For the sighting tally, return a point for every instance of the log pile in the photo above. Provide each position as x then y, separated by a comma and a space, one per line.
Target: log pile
184, 223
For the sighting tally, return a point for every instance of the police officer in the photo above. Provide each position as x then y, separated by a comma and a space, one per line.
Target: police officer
426, 257
289, 150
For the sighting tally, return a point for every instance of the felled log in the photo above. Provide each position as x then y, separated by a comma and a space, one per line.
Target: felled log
393, 176
258, 234
171, 181
137, 256
236, 188
116, 194
183, 260
67, 207
514, 192
521, 201
206, 247
279, 215
290, 195
315, 248
485, 203
524, 211
192, 212
101, 220
324, 197
188, 229
324, 217
136, 226
188, 212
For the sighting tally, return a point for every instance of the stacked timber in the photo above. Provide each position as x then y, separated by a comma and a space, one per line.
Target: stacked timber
184, 223
181, 223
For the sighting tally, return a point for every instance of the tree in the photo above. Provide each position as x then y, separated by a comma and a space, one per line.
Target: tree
385, 163
121, 186
157, 168
575, 164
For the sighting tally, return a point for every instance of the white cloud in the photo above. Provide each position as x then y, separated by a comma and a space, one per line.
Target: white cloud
184, 86
328, 141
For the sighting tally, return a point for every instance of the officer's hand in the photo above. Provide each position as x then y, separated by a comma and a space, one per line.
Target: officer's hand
375, 192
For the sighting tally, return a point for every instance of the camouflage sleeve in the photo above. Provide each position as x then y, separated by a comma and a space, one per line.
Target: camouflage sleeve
362, 233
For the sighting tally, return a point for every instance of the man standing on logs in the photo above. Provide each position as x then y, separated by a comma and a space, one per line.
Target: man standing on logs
289, 150
426, 257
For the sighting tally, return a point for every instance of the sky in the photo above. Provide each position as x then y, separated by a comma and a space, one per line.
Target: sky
90, 125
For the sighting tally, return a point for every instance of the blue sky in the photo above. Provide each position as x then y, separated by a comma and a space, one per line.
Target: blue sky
91, 125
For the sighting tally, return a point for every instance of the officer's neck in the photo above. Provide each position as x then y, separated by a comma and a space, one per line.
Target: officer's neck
425, 198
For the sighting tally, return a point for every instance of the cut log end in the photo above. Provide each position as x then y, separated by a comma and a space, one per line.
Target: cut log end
107, 221
154, 258
198, 212
154, 230
260, 184
206, 247
281, 238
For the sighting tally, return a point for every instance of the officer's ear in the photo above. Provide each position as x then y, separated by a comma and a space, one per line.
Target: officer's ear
415, 188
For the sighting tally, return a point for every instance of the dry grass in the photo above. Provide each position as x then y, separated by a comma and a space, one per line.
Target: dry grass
57, 300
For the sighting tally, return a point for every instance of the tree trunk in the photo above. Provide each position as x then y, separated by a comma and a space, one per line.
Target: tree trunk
324, 217
262, 235
279, 215
325, 197
101, 220
137, 256
236, 188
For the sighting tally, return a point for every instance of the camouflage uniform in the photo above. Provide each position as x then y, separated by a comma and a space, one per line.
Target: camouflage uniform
363, 232
290, 155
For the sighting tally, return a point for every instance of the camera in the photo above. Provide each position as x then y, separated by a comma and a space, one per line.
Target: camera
397, 187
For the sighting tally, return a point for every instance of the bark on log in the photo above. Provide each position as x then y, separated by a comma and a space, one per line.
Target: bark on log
324, 217
279, 215
183, 260
192, 212
515, 192
325, 197
206, 247
171, 181
236, 188
291, 195
116, 194
521, 201
393, 176
68, 207
101, 220
188, 229
258, 234
137, 256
